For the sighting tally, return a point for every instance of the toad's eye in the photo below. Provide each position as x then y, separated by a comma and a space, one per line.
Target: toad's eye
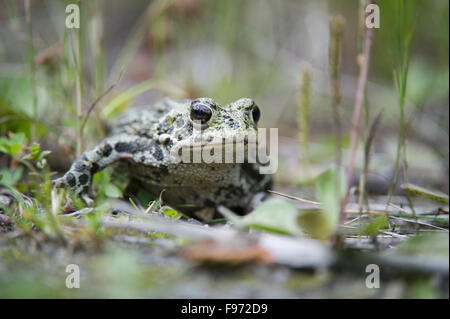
256, 113
200, 111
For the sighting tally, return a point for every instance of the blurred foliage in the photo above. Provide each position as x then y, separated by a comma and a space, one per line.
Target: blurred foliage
429, 245
226, 50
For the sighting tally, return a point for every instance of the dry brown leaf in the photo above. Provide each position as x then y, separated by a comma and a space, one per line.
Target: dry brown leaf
212, 252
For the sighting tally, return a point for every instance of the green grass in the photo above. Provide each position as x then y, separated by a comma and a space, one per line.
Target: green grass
403, 34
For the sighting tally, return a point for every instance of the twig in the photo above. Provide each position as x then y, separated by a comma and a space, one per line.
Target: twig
367, 149
394, 234
399, 208
295, 198
362, 80
79, 97
31, 65
419, 222
334, 52
94, 104
303, 114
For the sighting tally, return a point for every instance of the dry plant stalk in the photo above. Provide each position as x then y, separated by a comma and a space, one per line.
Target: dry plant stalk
303, 111
334, 52
31, 65
367, 151
363, 61
79, 92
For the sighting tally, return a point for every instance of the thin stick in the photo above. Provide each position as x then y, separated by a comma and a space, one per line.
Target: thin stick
295, 198
367, 149
362, 80
302, 115
31, 65
334, 52
303, 106
98, 99
78, 88
419, 222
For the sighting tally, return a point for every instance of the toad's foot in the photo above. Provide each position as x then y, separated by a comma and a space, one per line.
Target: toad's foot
84, 192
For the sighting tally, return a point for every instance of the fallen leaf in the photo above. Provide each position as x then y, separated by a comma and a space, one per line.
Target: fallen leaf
212, 252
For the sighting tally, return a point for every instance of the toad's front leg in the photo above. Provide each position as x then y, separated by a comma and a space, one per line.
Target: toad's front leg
79, 176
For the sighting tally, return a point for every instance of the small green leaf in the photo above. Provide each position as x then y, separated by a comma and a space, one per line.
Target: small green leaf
35, 149
12, 145
170, 212
43, 154
14, 149
17, 139
330, 188
11, 178
275, 215
315, 224
112, 191
375, 225
418, 190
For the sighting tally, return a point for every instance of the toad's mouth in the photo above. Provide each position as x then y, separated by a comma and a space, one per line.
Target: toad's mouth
245, 142
230, 147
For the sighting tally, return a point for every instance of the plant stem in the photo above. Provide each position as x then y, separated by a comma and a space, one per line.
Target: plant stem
92, 106
334, 52
400, 74
366, 109
363, 60
31, 66
303, 115
79, 92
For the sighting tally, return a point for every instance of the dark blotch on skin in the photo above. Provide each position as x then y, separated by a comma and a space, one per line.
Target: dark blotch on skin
107, 150
83, 179
189, 129
158, 154
94, 168
251, 171
71, 179
123, 147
